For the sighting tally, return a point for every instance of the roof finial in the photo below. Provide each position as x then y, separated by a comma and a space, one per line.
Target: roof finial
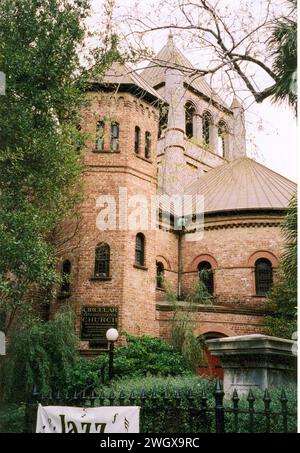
170, 37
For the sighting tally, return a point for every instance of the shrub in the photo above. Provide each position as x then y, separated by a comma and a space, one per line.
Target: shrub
173, 405
141, 356
12, 418
41, 354
149, 355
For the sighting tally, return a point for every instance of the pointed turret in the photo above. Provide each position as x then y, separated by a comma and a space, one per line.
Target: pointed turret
238, 142
174, 164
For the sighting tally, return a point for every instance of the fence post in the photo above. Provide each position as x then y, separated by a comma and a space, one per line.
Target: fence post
31, 411
219, 408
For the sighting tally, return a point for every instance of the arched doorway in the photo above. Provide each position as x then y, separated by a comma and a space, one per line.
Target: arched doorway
211, 366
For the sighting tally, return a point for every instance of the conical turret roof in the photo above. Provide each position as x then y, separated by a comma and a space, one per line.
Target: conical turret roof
122, 75
243, 184
170, 56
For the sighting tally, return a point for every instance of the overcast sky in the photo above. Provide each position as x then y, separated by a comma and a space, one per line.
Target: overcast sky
271, 129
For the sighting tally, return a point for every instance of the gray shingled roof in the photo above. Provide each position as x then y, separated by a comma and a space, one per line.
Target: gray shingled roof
154, 73
122, 74
243, 184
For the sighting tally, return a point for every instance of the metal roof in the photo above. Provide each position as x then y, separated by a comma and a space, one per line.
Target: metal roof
243, 184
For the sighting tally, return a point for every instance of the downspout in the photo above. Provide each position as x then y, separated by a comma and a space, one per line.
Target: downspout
179, 279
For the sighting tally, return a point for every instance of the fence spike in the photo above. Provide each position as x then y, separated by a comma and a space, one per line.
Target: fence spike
177, 397
235, 396
154, 395
132, 397
219, 408
266, 397
166, 394
143, 393
219, 387
35, 391
101, 397
190, 394
283, 397
93, 395
203, 399
250, 397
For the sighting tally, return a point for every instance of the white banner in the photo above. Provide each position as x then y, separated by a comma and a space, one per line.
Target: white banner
62, 419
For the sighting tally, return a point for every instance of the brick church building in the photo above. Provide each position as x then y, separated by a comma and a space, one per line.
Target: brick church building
166, 132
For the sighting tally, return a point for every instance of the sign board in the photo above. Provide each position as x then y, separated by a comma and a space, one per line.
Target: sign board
95, 321
2, 343
112, 419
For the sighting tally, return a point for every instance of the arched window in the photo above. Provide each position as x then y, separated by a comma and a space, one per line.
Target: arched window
189, 119
263, 276
160, 272
137, 139
115, 130
206, 126
163, 119
206, 275
102, 258
100, 136
222, 138
66, 275
147, 145
140, 249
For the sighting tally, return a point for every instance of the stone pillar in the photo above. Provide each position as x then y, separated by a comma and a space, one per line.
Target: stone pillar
174, 164
198, 128
214, 138
254, 361
237, 145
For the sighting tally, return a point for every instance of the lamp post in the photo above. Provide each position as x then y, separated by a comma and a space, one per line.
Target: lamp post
111, 335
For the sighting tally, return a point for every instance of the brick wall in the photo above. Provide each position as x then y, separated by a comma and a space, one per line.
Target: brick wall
230, 242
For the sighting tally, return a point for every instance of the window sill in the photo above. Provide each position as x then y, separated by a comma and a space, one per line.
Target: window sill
160, 289
138, 266
103, 279
143, 158
105, 151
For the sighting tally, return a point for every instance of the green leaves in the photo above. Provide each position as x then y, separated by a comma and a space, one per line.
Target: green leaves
283, 299
42, 354
284, 45
40, 143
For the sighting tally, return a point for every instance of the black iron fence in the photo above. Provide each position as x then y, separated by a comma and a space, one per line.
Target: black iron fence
186, 412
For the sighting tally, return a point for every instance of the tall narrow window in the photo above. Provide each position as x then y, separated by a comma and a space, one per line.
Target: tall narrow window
206, 126
160, 272
189, 119
147, 145
115, 131
163, 119
222, 138
137, 139
140, 249
206, 276
100, 136
102, 258
66, 275
263, 276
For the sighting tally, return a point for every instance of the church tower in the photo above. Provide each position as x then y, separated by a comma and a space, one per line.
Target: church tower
174, 164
